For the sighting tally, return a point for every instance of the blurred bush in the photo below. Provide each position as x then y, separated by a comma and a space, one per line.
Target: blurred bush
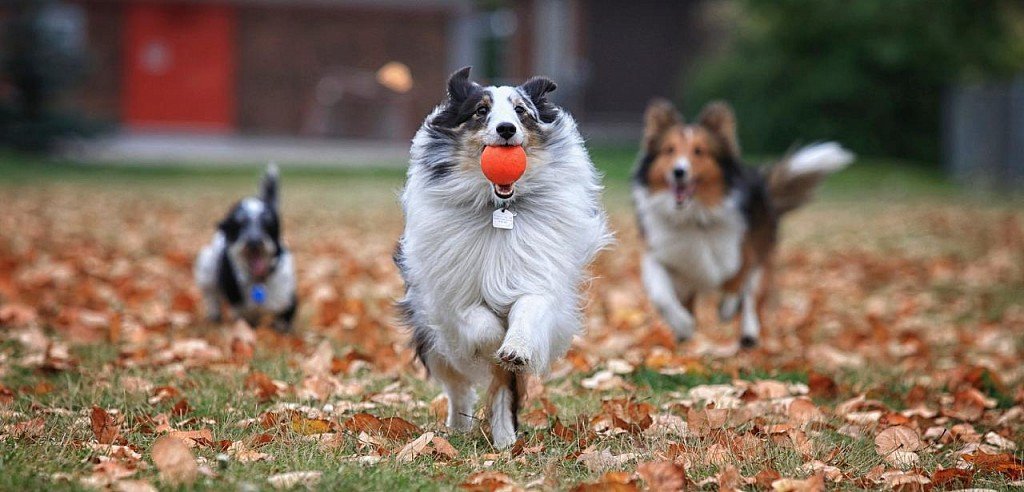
870, 73
43, 56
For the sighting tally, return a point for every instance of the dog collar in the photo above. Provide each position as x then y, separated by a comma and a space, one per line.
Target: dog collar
258, 294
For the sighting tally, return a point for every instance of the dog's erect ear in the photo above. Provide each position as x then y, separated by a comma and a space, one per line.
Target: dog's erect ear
660, 115
537, 89
459, 85
268, 186
229, 226
718, 117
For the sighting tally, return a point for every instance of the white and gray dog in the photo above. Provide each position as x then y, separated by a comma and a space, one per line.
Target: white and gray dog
489, 302
246, 265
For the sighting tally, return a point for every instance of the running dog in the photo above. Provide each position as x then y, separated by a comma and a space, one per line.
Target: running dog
493, 271
246, 265
709, 223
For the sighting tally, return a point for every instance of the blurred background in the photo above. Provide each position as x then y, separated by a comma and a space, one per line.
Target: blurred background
347, 82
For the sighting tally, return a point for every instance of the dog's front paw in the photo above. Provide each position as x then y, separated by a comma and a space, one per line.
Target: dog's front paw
512, 358
748, 342
503, 438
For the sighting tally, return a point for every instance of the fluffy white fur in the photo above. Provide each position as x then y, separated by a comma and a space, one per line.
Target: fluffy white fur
692, 249
479, 296
823, 157
280, 284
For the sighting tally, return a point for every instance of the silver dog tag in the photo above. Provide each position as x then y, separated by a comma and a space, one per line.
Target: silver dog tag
502, 219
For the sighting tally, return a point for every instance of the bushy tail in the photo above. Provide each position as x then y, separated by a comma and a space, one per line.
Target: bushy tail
268, 185
792, 182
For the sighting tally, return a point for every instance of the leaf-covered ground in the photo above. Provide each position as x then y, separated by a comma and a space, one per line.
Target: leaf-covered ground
891, 359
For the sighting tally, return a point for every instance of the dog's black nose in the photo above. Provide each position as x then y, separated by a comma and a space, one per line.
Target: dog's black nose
679, 173
506, 130
253, 244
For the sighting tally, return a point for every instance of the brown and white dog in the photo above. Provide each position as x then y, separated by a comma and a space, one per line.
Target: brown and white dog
709, 223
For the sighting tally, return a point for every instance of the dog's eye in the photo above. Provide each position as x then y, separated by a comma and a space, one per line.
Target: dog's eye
670, 150
698, 151
520, 110
482, 111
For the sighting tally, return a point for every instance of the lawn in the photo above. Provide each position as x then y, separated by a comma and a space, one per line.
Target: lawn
891, 357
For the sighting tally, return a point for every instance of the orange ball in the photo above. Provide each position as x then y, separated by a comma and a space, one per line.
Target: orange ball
503, 165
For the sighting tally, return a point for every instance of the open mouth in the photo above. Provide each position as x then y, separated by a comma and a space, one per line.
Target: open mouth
504, 191
259, 264
682, 190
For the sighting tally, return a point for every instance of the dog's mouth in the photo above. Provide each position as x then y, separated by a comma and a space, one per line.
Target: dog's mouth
682, 190
504, 191
258, 262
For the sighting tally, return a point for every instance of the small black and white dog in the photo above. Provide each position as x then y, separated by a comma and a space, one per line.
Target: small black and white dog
246, 264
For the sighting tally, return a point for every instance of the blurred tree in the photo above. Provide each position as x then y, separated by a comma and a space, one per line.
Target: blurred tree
44, 54
870, 73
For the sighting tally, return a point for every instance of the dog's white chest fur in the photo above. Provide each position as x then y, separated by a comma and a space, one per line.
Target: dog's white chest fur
702, 248
462, 260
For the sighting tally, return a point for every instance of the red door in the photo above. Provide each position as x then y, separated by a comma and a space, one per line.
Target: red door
179, 66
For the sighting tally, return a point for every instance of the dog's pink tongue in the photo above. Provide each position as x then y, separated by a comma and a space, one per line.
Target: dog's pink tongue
258, 266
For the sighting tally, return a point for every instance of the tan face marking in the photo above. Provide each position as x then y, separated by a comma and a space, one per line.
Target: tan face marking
695, 149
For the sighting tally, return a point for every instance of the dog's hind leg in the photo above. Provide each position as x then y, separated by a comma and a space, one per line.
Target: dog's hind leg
658, 283
750, 321
457, 387
504, 396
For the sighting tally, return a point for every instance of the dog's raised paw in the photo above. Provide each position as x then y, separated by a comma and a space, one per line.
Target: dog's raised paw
512, 360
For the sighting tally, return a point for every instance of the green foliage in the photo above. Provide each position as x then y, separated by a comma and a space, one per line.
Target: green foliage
870, 73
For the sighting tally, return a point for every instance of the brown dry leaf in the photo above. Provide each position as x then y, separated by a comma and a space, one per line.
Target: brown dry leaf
415, 448
29, 429
308, 426
104, 426
663, 476
193, 438
729, 478
899, 438
609, 482
707, 420
394, 428
562, 432
174, 460
319, 362
307, 479
487, 481
597, 461
802, 411
765, 477
952, 478
815, 483
443, 448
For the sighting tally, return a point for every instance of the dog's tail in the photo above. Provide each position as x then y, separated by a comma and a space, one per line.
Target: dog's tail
793, 181
268, 186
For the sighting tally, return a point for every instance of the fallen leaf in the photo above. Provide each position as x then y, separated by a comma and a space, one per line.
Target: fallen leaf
414, 448
609, 482
663, 476
307, 426
104, 426
174, 460
815, 483
899, 438
487, 481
